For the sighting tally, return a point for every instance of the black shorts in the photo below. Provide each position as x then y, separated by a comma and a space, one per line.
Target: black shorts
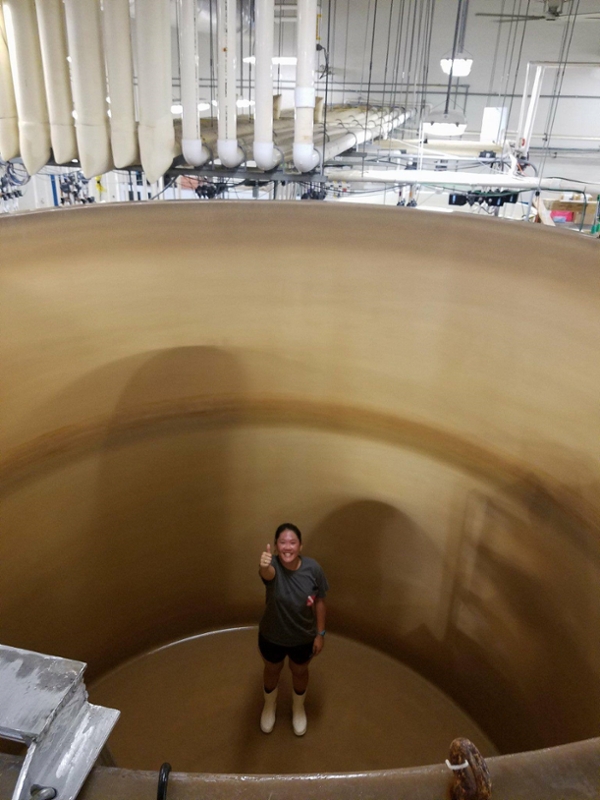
275, 653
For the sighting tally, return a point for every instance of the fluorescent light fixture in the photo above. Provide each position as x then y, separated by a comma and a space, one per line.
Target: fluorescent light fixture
177, 108
203, 106
462, 65
284, 61
243, 103
439, 124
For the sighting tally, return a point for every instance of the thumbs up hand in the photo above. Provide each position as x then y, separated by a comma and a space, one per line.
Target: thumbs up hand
266, 558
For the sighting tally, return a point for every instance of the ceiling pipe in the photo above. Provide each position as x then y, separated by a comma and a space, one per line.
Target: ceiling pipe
116, 25
265, 155
153, 50
228, 148
194, 151
9, 125
306, 158
88, 81
28, 80
53, 43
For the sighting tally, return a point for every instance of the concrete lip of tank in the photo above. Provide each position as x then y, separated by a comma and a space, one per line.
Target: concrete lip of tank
421, 400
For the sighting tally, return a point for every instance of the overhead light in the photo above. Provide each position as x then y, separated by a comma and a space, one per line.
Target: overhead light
203, 106
462, 65
177, 108
451, 123
284, 61
243, 103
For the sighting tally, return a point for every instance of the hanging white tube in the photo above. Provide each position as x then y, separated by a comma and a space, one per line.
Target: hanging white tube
88, 79
28, 80
153, 50
9, 126
305, 156
53, 42
119, 68
265, 155
194, 151
227, 145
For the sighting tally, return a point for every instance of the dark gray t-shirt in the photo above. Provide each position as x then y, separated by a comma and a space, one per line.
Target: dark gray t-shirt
289, 617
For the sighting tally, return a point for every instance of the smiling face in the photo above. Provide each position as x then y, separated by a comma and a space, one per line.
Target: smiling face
288, 549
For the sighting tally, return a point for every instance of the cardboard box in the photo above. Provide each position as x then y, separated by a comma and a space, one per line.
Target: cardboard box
576, 206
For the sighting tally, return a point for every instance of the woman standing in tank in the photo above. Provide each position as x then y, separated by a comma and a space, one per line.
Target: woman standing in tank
293, 624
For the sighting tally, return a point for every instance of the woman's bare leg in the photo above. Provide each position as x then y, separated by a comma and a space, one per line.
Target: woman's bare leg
271, 675
299, 676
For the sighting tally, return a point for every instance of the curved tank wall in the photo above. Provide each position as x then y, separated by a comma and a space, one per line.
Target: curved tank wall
420, 394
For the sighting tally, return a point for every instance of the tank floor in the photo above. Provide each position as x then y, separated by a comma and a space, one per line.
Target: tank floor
197, 703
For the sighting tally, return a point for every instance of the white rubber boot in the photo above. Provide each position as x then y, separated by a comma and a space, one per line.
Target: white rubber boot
299, 714
267, 718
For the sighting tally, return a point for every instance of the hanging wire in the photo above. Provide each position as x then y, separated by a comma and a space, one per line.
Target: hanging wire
493, 73
212, 64
370, 73
346, 54
410, 53
518, 65
362, 71
397, 54
558, 83
427, 58
387, 55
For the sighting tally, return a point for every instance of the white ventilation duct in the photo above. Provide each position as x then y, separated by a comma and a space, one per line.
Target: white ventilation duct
119, 69
88, 80
28, 77
305, 156
265, 155
194, 152
53, 43
9, 127
227, 145
153, 51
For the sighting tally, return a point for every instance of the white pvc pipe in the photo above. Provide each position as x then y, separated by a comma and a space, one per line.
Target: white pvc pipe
9, 126
119, 68
153, 46
194, 151
28, 80
53, 42
305, 156
265, 155
227, 144
88, 80
483, 180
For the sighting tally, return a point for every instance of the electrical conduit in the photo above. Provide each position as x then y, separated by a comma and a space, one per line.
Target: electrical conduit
194, 151
305, 156
153, 45
28, 80
119, 69
265, 155
227, 144
53, 43
88, 80
9, 126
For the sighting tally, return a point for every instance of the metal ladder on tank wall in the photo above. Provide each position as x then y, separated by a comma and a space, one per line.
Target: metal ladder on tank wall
44, 705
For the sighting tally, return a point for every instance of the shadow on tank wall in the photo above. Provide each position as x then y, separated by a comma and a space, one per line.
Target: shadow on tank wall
515, 628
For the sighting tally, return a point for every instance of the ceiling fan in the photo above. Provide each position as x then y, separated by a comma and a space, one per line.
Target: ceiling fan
553, 11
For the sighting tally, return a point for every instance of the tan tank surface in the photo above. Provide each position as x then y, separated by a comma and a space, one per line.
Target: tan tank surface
419, 393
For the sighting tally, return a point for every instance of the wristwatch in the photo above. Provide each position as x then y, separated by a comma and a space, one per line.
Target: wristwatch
321, 633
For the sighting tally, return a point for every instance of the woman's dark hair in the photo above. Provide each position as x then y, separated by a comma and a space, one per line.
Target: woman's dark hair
287, 526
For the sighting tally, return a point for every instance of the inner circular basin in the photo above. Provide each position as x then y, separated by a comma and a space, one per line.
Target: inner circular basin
196, 703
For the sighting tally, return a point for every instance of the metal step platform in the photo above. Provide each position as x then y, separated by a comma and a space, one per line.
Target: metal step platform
44, 704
